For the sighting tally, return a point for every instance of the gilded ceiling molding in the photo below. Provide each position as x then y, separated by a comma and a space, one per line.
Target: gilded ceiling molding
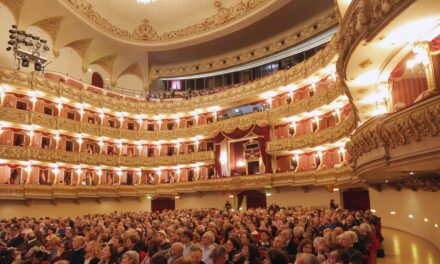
106, 63
145, 32
246, 55
51, 26
15, 6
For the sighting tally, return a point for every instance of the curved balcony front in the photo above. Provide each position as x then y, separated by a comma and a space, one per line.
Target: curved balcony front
327, 177
398, 144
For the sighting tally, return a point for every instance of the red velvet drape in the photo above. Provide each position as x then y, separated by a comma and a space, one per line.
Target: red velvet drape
263, 132
254, 199
407, 90
282, 131
306, 161
435, 47
162, 203
330, 158
303, 127
283, 163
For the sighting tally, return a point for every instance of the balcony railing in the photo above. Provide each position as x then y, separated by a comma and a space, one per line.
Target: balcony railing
273, 116
229, 98
61, 156
381, 136
328, 135
325, 177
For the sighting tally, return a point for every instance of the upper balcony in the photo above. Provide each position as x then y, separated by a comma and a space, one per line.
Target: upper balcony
398, 144
316, 67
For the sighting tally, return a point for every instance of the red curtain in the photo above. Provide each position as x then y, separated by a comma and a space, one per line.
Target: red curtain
330, 158
217, 164
303, 127
263, 132
435, 47
282, 131
327, 121
75, 84
407, 90
306, 161
283, 163
236, 155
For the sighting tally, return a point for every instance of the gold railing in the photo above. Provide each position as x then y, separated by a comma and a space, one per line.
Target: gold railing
273, 116
362, 21
325, 177
328, 135
76, 158
253, 53
421, 120
228, 98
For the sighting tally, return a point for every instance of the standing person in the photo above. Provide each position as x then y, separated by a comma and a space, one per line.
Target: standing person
333, 204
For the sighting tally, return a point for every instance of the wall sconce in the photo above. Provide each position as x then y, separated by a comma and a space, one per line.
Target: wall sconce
240, 163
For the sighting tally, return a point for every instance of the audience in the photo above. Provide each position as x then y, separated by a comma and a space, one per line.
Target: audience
203, 236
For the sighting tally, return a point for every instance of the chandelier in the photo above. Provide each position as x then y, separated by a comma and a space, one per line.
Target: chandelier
145, 2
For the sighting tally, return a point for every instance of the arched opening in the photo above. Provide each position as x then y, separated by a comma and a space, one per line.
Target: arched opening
97, 80
162, 203
251, 199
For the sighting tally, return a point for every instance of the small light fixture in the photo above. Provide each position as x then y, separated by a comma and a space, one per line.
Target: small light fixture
177, 197
436, 225
231, 196
373, 210
410, 216
268, 194
411, 173
426, 219
393, 212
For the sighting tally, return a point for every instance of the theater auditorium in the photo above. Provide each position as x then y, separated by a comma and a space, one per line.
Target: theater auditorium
219, 131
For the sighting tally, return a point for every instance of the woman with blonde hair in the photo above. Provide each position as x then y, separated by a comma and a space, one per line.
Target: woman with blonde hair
93, 252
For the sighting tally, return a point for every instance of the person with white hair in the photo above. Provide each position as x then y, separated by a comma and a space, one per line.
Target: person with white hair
207, 246
346, 240
306, 258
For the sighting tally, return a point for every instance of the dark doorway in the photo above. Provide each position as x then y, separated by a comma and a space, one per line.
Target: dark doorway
356, 199
97, 80
253, 167
254, 199
162, 203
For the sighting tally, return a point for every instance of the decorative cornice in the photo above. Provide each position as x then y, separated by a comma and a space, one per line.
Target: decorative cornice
330, 176
146, 33
75, 158
328, 135
246, 55
228, 98
272, 117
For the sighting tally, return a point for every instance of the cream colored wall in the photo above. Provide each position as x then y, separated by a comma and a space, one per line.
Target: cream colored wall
313, 197
420, 204
64, 207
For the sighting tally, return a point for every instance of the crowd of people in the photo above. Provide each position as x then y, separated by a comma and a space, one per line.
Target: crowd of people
211, 236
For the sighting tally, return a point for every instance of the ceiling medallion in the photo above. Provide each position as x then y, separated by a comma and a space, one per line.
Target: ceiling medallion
145, 32
146, 2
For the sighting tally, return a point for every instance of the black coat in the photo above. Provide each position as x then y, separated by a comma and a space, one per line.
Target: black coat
16, 242
77, 256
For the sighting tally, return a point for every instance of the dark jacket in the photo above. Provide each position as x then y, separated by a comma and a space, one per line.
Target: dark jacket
77, 256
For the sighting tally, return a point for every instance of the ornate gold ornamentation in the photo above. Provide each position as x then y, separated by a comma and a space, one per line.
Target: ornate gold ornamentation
365, 63
249, 54
361, 21
145, 32
80, 46
328, 135
272, 117
329, 176
74, 158
231, 96
419, 121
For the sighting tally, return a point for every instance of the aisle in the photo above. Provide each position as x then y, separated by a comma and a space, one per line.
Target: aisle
404, 248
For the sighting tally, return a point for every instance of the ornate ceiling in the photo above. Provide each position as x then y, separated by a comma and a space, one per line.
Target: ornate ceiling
124, 37
162, 21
